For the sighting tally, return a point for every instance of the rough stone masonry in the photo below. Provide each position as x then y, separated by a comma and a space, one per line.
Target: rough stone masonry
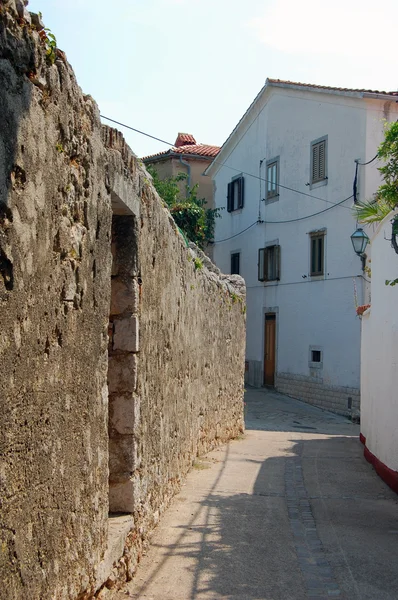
121, 349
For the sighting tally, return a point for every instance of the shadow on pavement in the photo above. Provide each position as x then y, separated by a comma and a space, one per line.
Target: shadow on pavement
317, 523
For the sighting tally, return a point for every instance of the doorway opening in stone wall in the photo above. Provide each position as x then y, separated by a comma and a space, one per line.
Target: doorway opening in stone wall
269, 349
122, 364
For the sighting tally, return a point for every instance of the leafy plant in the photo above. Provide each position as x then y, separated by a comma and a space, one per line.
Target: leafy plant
387, 195
190, 213
50, 43
197, 263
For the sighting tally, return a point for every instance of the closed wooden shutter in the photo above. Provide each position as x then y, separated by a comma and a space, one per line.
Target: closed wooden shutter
262, 264
277, 258
321, 167
230, 197
241, 189
318, 162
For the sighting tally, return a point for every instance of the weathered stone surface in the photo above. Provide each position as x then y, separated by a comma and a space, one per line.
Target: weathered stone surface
125, 296
121, 496
61, 173
126, 332
122, 373
55, 265
122, 413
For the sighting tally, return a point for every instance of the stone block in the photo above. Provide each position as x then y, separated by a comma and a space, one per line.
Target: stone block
122, 456
126, 334
123, 413
122, 373
121, 497
124, 296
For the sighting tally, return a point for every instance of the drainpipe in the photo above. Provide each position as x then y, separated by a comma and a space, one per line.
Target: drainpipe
186, 164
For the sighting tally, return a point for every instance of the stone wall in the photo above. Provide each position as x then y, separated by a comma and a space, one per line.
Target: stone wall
338, 399
55, 266
92, 268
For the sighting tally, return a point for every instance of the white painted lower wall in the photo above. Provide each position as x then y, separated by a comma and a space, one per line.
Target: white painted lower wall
379, 354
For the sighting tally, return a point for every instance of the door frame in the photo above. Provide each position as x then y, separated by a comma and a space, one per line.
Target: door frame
271, 310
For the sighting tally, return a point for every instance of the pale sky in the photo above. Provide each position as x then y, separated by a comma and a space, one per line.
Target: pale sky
164, 66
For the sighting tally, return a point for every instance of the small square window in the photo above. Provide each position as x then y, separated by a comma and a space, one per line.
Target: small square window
269, 263
317, 251
316, 356
235, 263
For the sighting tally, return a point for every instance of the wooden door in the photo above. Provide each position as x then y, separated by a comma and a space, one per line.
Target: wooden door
269, 349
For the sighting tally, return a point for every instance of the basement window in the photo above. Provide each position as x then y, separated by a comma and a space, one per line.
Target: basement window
315, 357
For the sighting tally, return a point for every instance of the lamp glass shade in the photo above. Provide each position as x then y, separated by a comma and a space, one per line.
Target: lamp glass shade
359, 241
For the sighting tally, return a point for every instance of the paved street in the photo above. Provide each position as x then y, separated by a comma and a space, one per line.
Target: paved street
291, 511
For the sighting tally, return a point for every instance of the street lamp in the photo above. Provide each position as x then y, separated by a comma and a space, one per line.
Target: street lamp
359, 241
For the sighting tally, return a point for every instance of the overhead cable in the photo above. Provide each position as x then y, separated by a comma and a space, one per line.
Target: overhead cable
217, 162
284, 221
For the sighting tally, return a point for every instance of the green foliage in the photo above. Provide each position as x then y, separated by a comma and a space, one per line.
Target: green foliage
59, 147
51, 46
391, 282
197, 263
190, 213
387, 194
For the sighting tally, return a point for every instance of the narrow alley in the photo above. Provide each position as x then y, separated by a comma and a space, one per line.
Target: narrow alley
290, 511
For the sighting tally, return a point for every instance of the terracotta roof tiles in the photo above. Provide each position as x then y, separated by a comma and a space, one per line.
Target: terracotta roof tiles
183, 139
194, 149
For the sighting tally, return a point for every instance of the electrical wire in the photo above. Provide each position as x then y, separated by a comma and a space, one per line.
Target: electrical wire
313, 214
285, 221
236, 234
221, 164
369, 161
136, 130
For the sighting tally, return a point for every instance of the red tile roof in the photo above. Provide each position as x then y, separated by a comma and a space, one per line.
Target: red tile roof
193, 149
328, 87
184, 139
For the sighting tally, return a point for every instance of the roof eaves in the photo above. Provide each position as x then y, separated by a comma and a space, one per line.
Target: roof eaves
314, 88
216, 164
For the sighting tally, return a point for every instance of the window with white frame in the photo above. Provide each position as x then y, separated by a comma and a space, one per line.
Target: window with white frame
319, 160
272, 177
235, 196
269, 260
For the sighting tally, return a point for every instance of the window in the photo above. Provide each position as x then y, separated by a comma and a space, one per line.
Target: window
315, 357
317, 241
319, 161
235, 194
272, 177
269, 263
235, 263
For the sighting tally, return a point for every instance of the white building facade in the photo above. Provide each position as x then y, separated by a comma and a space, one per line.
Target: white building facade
379, 359
285, 178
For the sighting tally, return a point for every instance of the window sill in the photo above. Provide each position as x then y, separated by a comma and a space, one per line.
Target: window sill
318, 184
271, 199
316, 277
315, 365
235, 211
270, 282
